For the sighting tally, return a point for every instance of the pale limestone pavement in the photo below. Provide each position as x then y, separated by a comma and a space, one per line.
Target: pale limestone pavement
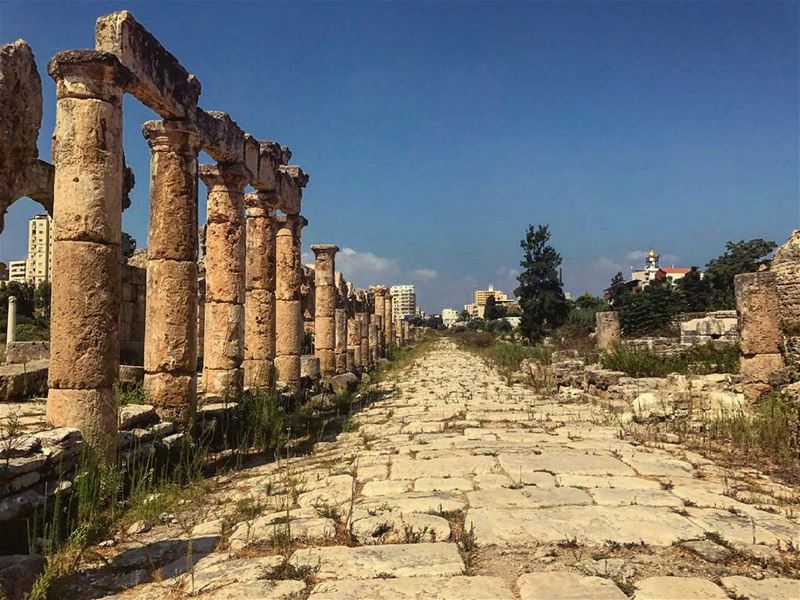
459, 486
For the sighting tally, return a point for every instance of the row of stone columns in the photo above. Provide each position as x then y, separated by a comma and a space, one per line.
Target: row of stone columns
250, 319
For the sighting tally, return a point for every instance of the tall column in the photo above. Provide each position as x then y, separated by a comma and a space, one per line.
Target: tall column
11, 325
288, 313
388, 322
380, 309
340, 343
225, 270
354, 339
325, 307
365, 355
259, 302
170, 343
374, 333
87, 208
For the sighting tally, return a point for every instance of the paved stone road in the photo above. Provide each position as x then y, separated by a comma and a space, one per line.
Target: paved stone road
459, 486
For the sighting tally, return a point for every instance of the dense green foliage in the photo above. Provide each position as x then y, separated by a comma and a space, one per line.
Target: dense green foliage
739, 257
583, 309
651, 309
541, 297
33, 310
700, 360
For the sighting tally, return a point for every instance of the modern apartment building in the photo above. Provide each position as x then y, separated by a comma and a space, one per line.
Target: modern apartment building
482, 295
16, 271
39, 267
404, 301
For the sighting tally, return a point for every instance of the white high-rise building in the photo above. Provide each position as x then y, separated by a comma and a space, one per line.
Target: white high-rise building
16, 270
39, 267
404, 301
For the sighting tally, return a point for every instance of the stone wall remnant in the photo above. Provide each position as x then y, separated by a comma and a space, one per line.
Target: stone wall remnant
607, 332
760, 333
325, 307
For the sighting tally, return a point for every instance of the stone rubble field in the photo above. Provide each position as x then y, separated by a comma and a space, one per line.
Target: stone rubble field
458, 486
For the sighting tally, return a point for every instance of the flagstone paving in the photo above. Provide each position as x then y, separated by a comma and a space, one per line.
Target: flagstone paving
460, 486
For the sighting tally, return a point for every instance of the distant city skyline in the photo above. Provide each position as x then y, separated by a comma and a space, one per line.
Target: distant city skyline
435, 132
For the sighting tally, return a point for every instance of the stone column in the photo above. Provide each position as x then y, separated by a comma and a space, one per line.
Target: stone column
11, 325
325, 308
354, 340
259, 302
607, 332
373, 334
388, 323
380, 309
288, 312
365, 352
87, 206
760, 334
340, 346
225, 271
170, 343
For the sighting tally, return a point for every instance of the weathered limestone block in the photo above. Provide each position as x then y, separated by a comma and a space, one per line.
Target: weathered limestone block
721, 326
94, 410
159, 80
171, 341
762, 368
607, 330
84, 343
354, 340
759, 313
292, 181
379, 309
288, 306
786, 267
388, 324
325, 307
24, 352
224, 341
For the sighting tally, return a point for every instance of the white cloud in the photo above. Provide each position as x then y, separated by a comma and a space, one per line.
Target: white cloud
605, 263
636, 255
365, 268
641, 255
424, 274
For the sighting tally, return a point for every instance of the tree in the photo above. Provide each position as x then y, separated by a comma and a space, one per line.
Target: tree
651, 309
490, 312
696, 290
583, 309
617, 289
739, 257
464, 316
541, 298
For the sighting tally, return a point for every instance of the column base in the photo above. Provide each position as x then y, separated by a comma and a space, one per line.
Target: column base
174, 396
94, 412
224, 384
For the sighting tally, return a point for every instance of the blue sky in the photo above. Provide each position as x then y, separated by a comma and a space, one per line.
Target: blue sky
435, 132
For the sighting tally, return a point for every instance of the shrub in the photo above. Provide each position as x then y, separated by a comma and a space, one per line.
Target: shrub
773, 430
697, 360
506, 356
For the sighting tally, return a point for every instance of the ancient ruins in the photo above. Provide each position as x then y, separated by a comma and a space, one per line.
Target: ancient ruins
246, 323
452, 479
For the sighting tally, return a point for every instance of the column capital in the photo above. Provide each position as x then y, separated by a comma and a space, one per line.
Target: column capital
291, 223
324, 249
89, 74
380, 291
261, 204
171, 136
230, 176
